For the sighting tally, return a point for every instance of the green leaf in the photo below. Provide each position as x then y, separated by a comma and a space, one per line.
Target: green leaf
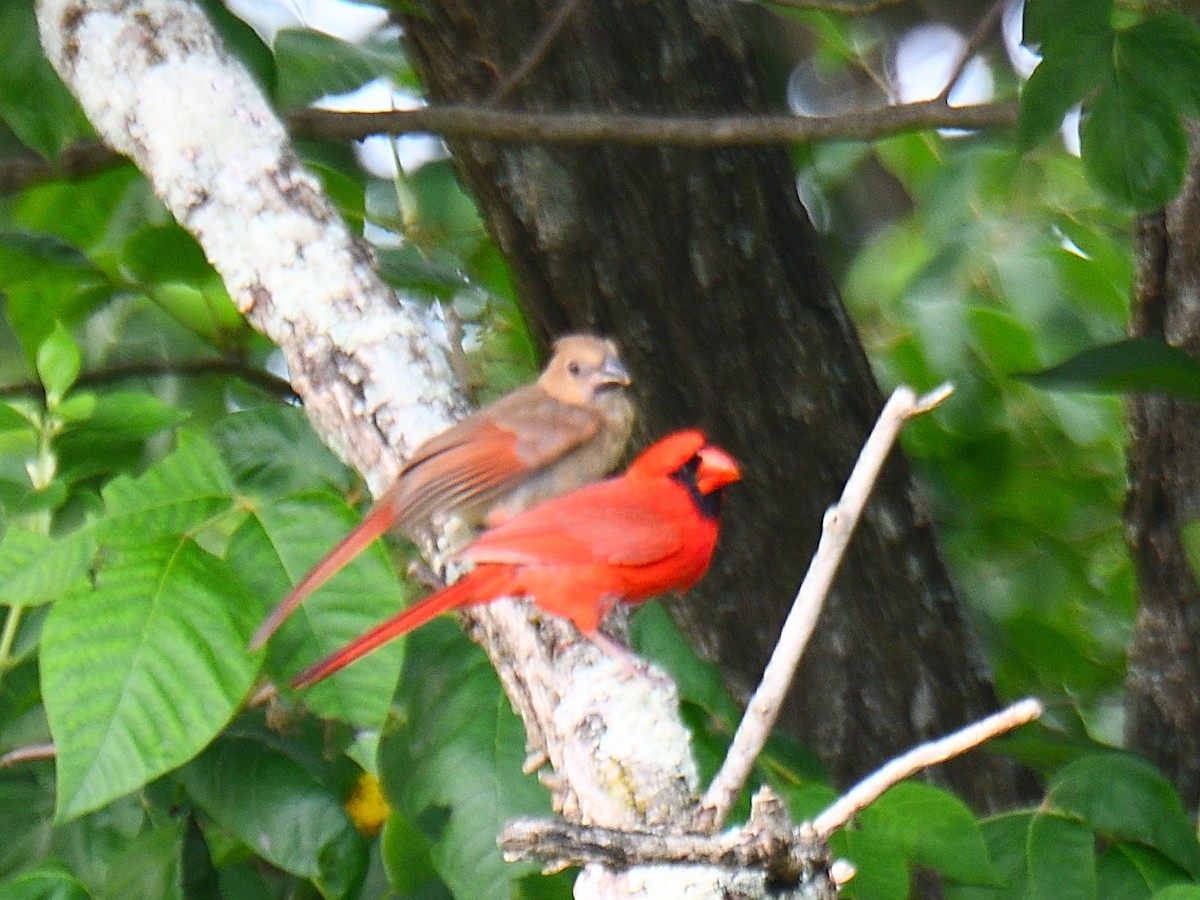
311, 65
1162, 55
1134, 148
1051, 23
11, 419
280, 811
406, 856
151, 866
78, 407
176, 495
454, 769
43, 248
35, 568
1125, 869
131, 414
58, 364
408, 267
141, 673
47, 881
882, 867
1190, 535
273, 450
170, 266
655, 636
1121, 796
1178, 892
1054, 87
34, 102
1075, 40
935, 829
274, 547
1137, 365
1061, 861
1006, 837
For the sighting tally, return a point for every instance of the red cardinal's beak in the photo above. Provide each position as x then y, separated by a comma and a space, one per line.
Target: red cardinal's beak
717, 469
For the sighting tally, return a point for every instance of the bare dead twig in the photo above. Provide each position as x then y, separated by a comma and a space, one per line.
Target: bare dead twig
870, 788
27, 754
533, 58
836, 532
986, 26
769, 841
841, 7
277, 387
77, 161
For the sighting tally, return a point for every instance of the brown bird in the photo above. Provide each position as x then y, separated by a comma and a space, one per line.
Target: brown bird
623, 540
565, 430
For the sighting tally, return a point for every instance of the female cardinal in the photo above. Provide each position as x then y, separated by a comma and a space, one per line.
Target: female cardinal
565, 430
650, 530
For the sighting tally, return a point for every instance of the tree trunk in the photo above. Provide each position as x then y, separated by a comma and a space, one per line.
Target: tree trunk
705, 267
1162, 704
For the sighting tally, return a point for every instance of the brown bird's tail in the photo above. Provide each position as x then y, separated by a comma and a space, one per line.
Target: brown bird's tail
377, 521
484, 583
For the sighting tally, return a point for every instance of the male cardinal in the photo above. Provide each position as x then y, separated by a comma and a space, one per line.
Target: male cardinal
565, 430
629, 538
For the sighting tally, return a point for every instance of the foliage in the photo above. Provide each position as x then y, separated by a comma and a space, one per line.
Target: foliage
154, 510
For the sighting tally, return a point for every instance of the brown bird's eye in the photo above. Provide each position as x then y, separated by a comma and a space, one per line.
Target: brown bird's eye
573, 367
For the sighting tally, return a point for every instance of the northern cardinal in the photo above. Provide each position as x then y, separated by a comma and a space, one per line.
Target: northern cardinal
565, 430
629, 538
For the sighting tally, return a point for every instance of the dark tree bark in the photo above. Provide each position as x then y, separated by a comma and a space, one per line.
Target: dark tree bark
1162, 703
704, 265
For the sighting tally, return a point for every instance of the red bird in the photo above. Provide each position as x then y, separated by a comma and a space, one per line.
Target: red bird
627, 539
565, 430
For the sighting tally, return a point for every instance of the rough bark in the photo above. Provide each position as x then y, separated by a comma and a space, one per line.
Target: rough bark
705, 267
1162, 703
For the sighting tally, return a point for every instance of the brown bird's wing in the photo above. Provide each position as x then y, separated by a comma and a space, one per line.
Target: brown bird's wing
487, 455
604, 523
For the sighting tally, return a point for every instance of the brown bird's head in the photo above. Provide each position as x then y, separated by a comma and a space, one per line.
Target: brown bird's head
585, 370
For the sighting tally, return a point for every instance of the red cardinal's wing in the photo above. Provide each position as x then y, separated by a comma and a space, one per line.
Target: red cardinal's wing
603, 523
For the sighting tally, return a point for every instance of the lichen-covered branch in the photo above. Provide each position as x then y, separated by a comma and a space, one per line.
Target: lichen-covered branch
156, 83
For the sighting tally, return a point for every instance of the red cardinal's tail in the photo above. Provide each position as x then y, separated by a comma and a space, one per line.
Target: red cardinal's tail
479, 586
377, 521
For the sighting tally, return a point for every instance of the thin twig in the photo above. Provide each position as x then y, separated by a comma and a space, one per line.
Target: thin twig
836, 531
841, 7
271, 384
642, 130
870, 788
537, 52
981, 33
31, 753
76, 161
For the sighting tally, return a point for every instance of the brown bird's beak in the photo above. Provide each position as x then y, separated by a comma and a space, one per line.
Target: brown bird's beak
612, 373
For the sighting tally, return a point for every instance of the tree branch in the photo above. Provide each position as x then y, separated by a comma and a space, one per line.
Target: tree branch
485, 122
768, 842
271, 384
688, 131
836, 531
929, 754
841, 7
